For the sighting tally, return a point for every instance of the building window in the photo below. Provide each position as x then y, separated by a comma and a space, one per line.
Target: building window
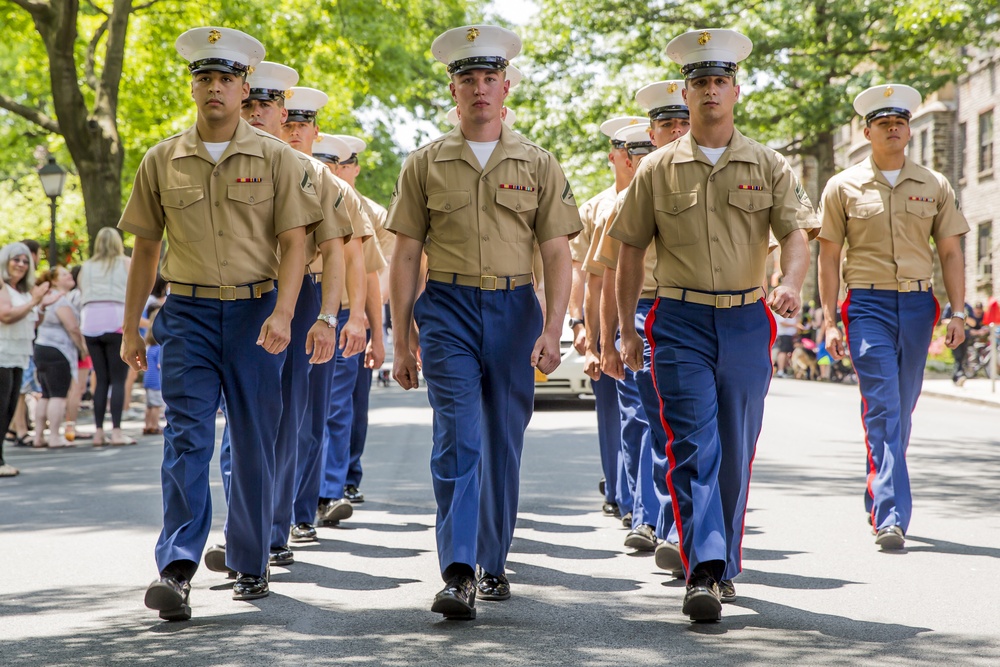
986, 141
984, 254
925, 155
962, 141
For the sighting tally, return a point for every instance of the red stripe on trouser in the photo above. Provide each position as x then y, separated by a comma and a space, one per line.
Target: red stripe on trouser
864, 406
770, 344
650, 319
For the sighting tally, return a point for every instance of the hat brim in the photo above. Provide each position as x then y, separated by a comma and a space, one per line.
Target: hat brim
266, 94
479, 62
709, 68
888, 111
218, 65
300, 117
666, 113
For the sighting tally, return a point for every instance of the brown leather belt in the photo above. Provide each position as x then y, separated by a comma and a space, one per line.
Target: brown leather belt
488, 283
899, 286
223, 292
709, 299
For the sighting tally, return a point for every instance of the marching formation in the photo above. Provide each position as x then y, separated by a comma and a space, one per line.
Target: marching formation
275, 308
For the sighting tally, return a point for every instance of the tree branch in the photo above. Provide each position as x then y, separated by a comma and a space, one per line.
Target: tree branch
33, 7
145, 5
114, 58
36, 116
96, 8
91, 77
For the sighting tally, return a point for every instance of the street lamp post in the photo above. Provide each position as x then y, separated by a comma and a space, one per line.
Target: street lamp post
53, 179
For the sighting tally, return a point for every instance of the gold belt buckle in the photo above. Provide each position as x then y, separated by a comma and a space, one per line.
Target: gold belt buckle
723, 300
904, 285
227, 292
482, 280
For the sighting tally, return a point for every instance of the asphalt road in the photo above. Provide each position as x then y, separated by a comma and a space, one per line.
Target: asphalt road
77, 530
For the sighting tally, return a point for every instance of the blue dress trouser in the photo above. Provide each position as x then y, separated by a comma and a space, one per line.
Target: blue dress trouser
637, 455
309, 461
337, 440
210, 350
609, 435
888, 334
476, 347
712, 370
359, 429
294, 393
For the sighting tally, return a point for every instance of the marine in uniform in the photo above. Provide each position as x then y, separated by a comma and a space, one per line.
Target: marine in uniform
348, 170
708, 201
301, 131
584, 309
652, 517
313, 328
313, 436
887, 208
477, 200
228, 196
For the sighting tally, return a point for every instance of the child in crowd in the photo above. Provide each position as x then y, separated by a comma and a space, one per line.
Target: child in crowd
151, 380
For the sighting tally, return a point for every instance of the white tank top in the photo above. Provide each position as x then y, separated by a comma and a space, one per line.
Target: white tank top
16, 338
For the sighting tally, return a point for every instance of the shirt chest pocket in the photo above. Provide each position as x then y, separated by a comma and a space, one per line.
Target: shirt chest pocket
749, 216
184, 213
677, 223
866, 222
250, 207
451, 218
516, 214
921, 214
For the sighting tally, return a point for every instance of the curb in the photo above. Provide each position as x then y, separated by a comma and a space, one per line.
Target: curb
963, 399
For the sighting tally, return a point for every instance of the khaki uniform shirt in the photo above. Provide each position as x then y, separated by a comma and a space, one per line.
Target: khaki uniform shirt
887, 228
710, 222
221, 226
580, 244
377, 214
606, 252
603, 213
374, 261
336, 222
482, 221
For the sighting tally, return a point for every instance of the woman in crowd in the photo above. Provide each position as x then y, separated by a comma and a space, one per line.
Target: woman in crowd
82, 379
18, 298
58, 347
102, 286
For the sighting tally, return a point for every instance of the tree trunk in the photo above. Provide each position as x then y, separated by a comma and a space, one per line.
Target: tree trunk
101, 183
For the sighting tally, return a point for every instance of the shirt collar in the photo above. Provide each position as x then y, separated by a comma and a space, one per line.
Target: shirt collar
739, 150
245, 140
911, 170
455, 147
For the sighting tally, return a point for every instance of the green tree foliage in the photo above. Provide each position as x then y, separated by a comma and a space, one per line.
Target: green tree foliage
61, 90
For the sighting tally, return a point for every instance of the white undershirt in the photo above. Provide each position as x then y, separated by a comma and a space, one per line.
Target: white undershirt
216, 150
483, 150
713, 154
891, 176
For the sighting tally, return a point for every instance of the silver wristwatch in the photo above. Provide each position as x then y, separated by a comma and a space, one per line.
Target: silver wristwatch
331, 320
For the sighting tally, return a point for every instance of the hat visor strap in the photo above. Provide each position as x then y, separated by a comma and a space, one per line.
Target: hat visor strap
478, 62
326, 157
673, 111
266, 94
640, 149
887, 111
709, 68
300, 116
218, 65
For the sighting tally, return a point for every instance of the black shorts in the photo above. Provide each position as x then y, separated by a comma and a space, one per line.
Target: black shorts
786, 343
53, 372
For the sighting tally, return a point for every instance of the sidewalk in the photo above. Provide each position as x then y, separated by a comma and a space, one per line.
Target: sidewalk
973, 391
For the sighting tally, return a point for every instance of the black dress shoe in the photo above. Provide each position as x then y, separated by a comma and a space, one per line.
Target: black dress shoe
352, 494
702, 601
610, 509
457, 600
641, 538
600, 486
282, 556
169, 596
668, 557
627, 520
492, 587
890, 538
250, 587
727, 590
215, 560
332, 511
303, 532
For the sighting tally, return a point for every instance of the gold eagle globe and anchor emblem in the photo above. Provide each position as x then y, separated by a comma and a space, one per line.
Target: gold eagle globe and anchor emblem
214, 36
672, 88
888, 92
472, 34
704, 38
